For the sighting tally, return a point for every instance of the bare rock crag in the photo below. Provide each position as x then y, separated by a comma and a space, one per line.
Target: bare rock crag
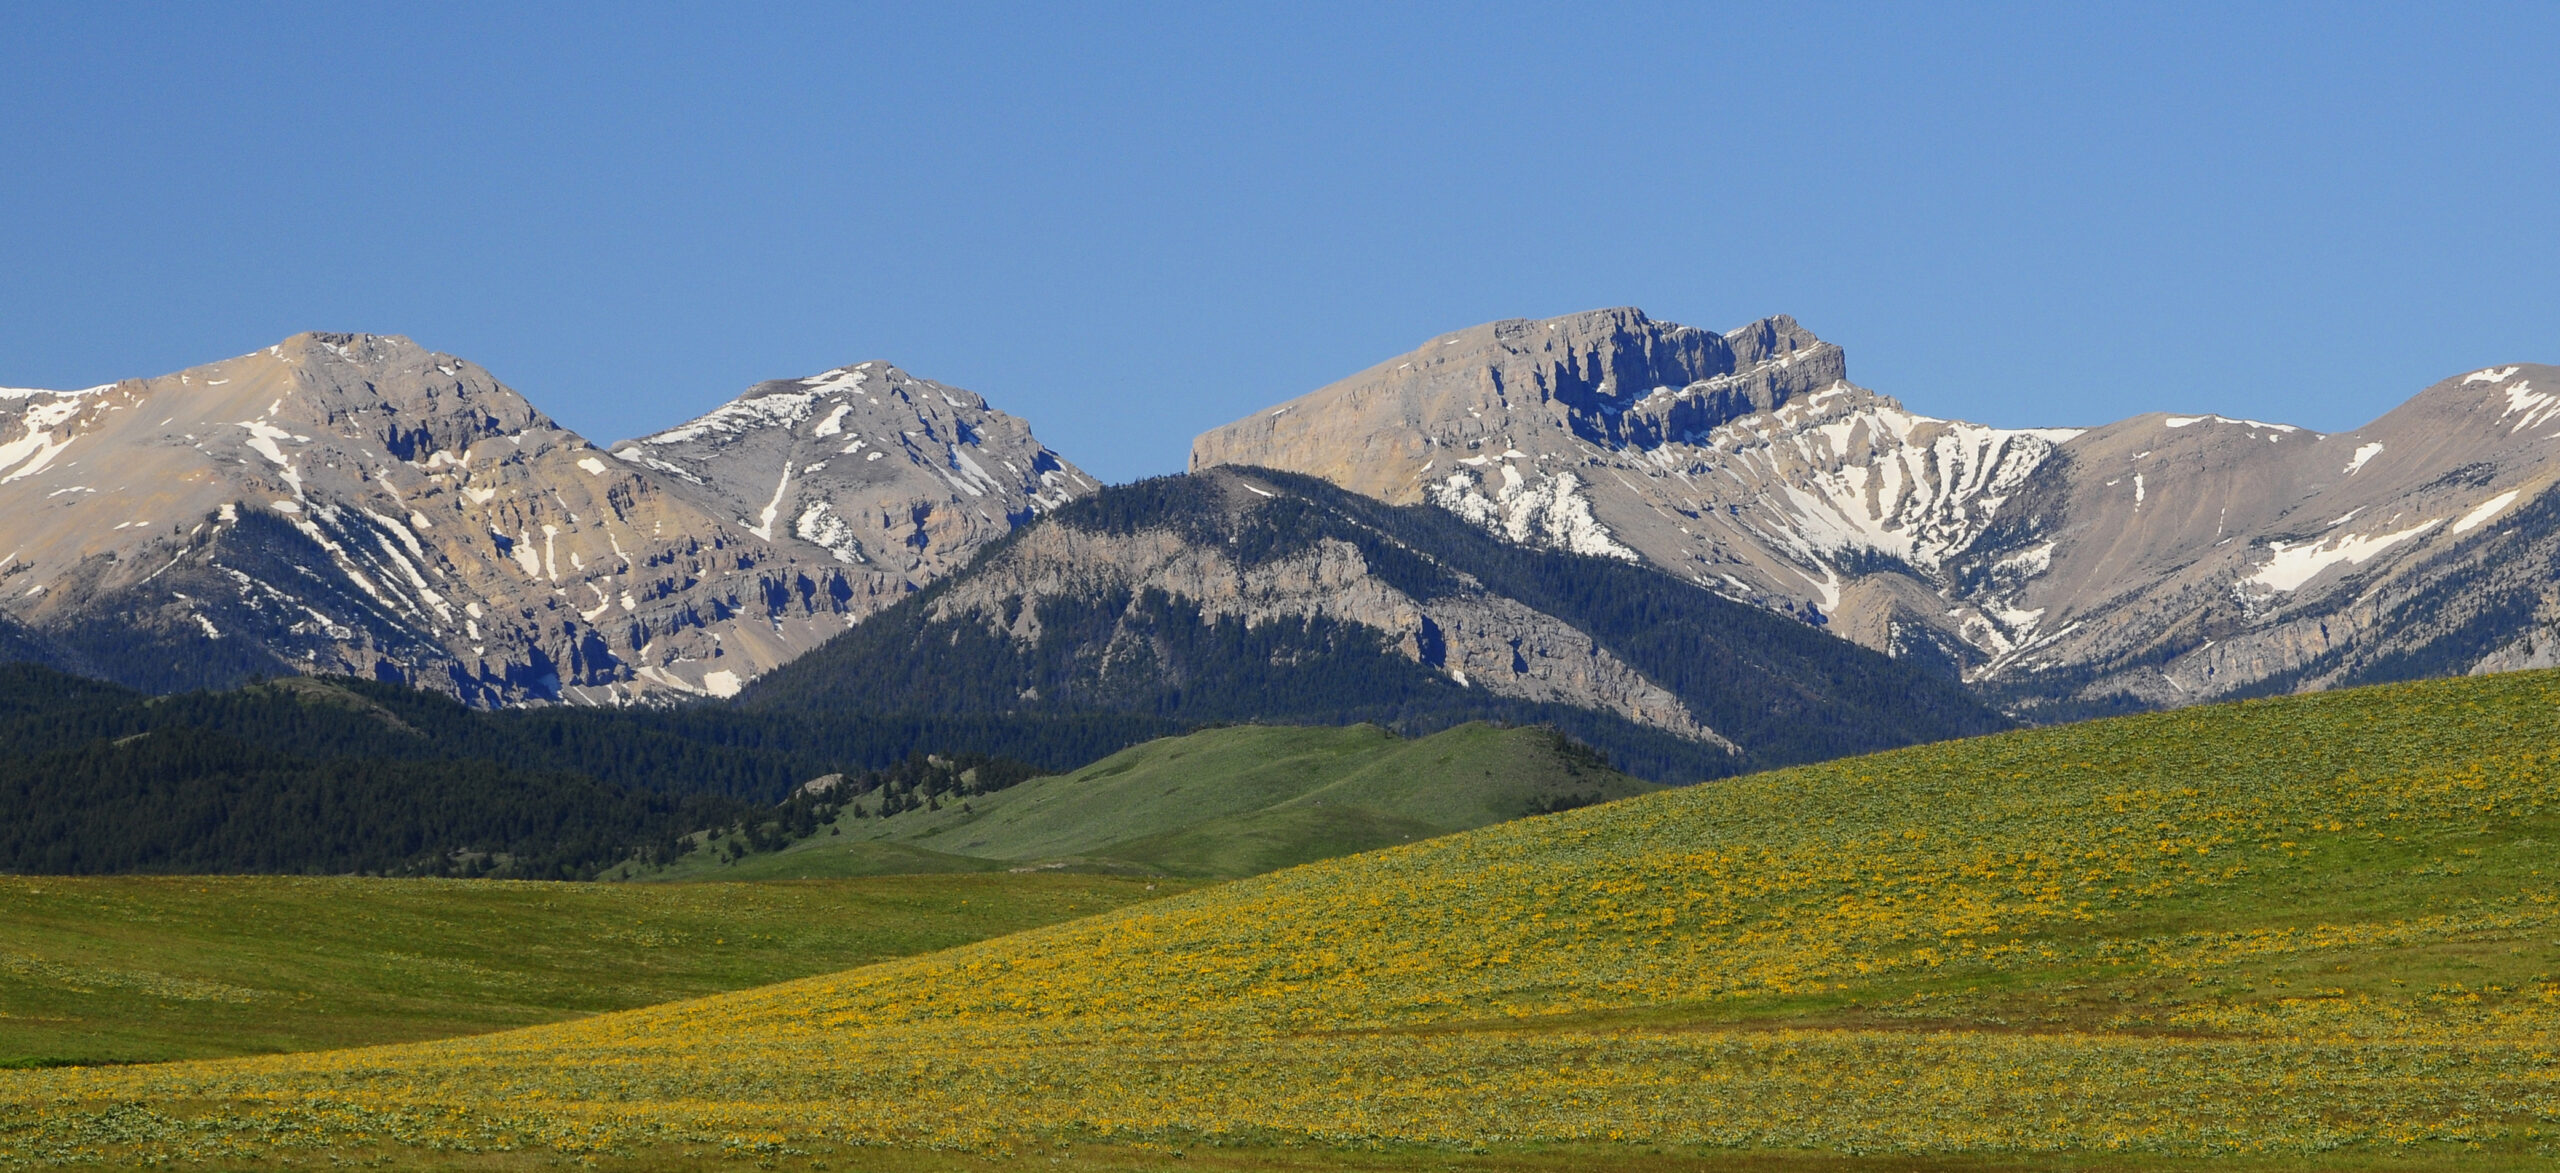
360, 504
2159, 560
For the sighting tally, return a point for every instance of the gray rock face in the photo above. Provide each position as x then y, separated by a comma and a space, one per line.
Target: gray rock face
2195, 556
1608, 379
894, 474
359, 504
2159, 560
1479, 638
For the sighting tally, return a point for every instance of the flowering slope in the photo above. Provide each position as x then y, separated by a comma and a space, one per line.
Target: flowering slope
2278, 926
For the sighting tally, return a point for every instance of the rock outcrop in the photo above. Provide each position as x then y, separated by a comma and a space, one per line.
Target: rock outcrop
1478, 638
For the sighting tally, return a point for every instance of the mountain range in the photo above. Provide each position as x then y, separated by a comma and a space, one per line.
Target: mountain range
2155, 561
360, 505
1248, 595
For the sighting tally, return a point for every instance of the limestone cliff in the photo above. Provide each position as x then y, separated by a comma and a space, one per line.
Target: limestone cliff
2158, 560
359, 504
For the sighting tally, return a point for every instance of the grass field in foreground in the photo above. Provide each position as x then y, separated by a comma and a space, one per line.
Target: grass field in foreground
132, 968
2314, 932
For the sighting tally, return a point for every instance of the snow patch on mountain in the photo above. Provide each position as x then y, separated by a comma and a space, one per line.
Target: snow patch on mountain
2486, 510
1860, 473
1550, 511
780, 409
2181, 421
2536, 406
819, 525
2296, 563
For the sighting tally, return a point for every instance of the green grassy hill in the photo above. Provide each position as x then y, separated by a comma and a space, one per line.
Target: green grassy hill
128, 969
1230, 801
2312, 932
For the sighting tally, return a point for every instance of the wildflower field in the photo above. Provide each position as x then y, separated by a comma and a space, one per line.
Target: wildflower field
2301, 933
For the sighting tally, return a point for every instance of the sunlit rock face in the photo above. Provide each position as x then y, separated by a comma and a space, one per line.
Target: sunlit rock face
898, 475
360, 504
2158, 560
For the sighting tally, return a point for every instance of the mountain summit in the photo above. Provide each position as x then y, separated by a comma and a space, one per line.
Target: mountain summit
879, 468
359, 504
2156, 561
1611, 378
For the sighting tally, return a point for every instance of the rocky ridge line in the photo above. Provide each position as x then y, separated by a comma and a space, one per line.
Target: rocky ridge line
358, 504
2159, 560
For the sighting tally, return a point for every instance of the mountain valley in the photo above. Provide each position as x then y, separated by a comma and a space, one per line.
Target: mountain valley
1315, 797
2301, 933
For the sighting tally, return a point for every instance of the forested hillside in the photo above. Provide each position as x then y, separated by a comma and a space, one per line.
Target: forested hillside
333, 776
708, 748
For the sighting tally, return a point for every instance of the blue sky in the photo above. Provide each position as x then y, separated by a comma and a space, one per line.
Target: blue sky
1131, 223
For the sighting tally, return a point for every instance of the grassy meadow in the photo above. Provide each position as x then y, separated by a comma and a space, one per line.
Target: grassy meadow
2314, 932
1236, 800
140, 968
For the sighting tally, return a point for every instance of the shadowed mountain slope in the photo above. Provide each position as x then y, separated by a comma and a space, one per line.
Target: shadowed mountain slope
1241, 595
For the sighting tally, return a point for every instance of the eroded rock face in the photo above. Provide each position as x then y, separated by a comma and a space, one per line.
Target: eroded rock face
359, 504
2159, 560
1606, 379
2197, 556
1746, 463
1478, 638
885, 471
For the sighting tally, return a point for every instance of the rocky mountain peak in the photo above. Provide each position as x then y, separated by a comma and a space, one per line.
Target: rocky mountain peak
877, 467
358, 503
416, 402
362, 349
1770, 338
1611, 378
2157, 560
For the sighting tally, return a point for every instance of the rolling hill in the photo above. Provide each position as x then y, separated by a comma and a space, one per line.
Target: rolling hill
2312, 931
143, 969
1231, 801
